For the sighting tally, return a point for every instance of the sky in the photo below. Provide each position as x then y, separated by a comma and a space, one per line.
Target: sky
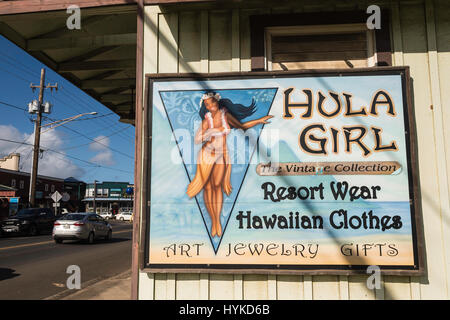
101, 148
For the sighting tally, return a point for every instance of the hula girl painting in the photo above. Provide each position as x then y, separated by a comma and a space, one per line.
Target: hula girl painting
213, 173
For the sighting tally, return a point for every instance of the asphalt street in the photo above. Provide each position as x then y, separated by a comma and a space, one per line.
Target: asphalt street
35, 267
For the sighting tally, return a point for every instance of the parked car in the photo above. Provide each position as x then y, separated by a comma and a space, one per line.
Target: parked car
125, 216
81, 226
107, 215
31, 221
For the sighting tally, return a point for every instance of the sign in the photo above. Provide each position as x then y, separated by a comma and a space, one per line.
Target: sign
13, 206
65, 197
282, 172
56, 205
56, 196
13, 200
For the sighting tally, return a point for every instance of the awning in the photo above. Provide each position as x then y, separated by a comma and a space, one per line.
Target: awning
106, 199
100, 58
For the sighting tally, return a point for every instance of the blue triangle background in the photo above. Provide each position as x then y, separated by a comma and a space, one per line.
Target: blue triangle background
182, 109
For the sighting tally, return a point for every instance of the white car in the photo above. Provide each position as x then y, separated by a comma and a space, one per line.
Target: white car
125, 216
106, 215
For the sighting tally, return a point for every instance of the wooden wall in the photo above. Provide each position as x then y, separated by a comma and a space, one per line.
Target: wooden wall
203, 39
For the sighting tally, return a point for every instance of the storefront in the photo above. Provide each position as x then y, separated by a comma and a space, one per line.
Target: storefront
110, 197
206, 42
9, 201
389, 129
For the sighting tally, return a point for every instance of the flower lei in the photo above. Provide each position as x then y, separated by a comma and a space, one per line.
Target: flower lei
210, 95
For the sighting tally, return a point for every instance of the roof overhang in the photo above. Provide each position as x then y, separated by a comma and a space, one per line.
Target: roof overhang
100, 58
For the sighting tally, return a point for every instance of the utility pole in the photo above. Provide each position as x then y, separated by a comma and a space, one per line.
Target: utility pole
37, 136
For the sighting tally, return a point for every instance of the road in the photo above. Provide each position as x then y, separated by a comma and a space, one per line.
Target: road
35, 267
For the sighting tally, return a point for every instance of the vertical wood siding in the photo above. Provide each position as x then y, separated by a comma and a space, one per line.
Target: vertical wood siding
218, 41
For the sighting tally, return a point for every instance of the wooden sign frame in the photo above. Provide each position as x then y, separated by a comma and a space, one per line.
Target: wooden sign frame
413, 178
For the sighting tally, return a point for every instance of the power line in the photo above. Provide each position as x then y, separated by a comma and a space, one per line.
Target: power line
88, 108
57, 98
77, 132
13, 106
127, 138
66, 155
85, 144
106, 146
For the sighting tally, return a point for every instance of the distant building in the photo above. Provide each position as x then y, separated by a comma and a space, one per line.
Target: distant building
15, 185
10, 162
76, 190
7, 196
109, 197
45, 186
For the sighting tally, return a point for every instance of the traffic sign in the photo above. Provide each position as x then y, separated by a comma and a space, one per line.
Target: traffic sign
56, 196
65, 197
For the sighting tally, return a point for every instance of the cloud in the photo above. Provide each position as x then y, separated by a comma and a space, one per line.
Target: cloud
104, 155
101, 145
103, 158
50, 163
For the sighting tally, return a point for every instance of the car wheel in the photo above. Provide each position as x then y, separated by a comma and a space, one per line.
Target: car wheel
33, 230
109, 236
58, 241
122, 219
90, 238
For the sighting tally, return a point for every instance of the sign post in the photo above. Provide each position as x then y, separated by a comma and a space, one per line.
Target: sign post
56, 197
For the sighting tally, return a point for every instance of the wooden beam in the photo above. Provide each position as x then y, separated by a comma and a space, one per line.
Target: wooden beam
45, 59
91, 54
126, 120
108, 83
98, 65
137, 244
125, 108
84, 41
12, 35
27, 6
116, 97
153, 2
64, 31
103, 75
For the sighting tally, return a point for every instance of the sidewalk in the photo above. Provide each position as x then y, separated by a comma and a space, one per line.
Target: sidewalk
115, 288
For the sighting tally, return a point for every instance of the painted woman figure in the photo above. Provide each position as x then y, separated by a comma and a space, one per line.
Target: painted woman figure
213, 163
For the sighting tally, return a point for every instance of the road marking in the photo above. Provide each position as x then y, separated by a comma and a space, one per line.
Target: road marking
26, 245
47, 242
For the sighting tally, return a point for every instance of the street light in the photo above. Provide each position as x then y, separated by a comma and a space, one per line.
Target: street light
38, 127
58, 123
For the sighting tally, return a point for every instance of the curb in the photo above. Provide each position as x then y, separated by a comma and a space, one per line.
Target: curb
88, 285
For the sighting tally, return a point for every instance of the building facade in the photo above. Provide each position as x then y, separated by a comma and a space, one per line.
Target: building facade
213, 37
218, 37
45, 187
76, 190
110, 197
8, 201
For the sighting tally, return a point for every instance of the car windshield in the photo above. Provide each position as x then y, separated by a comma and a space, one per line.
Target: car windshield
73, 216
26, 213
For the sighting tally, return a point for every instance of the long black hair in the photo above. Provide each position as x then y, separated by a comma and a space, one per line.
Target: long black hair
238, 110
